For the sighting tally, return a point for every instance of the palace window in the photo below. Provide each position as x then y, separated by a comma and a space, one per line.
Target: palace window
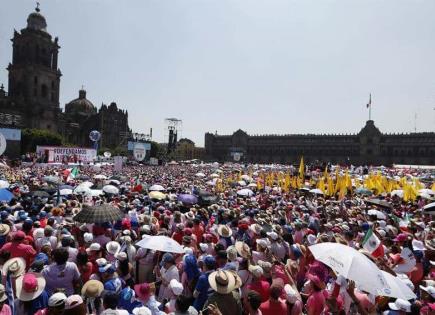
44, 91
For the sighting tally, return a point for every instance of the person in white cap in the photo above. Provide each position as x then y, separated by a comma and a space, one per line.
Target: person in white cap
400, 306
176, 290
276, 245
56, 305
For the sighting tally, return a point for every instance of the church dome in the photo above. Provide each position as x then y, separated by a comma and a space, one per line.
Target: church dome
80, 105
36, 21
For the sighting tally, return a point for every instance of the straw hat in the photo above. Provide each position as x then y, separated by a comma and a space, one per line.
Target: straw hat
15, 266
4, 229
224, 231
3, 296
92, 288
243, 249
29, 286
143, 310
256, 228
113, 247
237, 278
222, 281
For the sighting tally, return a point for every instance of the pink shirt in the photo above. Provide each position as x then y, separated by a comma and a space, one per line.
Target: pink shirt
6, 310
262, 288
316, 303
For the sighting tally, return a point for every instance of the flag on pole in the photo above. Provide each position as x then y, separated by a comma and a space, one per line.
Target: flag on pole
369, 104
302, 168
73, 173
372, 244
10, 293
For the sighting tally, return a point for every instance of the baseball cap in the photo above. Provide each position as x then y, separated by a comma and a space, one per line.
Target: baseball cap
93, 247
429, 289
73, 301
88, 237
56, 299
401, 237
400, 305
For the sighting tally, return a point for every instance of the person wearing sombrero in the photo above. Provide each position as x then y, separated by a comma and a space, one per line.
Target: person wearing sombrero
17, 248
31, 294
145, 293
4, 231
5, 309
225, 234
202, 286
224, 284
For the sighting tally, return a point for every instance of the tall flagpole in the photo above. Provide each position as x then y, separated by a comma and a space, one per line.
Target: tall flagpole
370, 107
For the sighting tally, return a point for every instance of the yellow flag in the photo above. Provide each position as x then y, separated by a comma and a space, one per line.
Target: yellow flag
302, 168
321, 185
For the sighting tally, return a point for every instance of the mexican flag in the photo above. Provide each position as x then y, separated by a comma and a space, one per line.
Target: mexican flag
372, 244
73, 173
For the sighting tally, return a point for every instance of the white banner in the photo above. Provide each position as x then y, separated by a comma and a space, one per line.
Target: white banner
66, 154
117, 165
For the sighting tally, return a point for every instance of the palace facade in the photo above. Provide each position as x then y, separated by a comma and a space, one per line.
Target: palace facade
370, 146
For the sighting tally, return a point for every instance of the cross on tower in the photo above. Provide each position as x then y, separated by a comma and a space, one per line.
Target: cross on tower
37, 9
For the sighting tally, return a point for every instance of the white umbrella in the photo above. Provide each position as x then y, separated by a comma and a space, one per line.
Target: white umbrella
200, 174
110, 189
425, 196
352, 265
214, 175
316, 191
86, 184
426, 191
429, 208
398, 193
95, 192
114, 181
252, 185
241, 183
245, 192
212, 182
4, 184
161, 243
379, 214
156, 188
397, 288
65, 192
246, 178
82, 190
100, 176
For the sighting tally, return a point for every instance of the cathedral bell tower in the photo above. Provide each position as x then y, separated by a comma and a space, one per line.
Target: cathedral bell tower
34, 77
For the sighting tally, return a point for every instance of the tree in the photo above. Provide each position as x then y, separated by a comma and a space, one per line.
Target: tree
186, 140
30, 138
157, 150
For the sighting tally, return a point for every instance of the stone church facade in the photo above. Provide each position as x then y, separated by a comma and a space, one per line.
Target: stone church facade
32, 99
369, 146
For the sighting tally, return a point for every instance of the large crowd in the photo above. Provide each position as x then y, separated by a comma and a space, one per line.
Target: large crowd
247, 243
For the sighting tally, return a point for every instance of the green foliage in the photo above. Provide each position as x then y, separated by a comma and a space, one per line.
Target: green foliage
122, 151
186, 140
30, 138
157, 150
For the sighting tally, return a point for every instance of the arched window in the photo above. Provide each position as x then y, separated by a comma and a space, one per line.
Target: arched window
44, 91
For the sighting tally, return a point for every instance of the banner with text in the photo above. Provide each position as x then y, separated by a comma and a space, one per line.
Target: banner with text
66, 154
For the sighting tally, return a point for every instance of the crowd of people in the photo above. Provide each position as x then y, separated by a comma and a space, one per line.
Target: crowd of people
242, 253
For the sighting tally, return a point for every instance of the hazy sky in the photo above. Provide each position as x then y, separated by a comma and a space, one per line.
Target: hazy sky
272, 66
